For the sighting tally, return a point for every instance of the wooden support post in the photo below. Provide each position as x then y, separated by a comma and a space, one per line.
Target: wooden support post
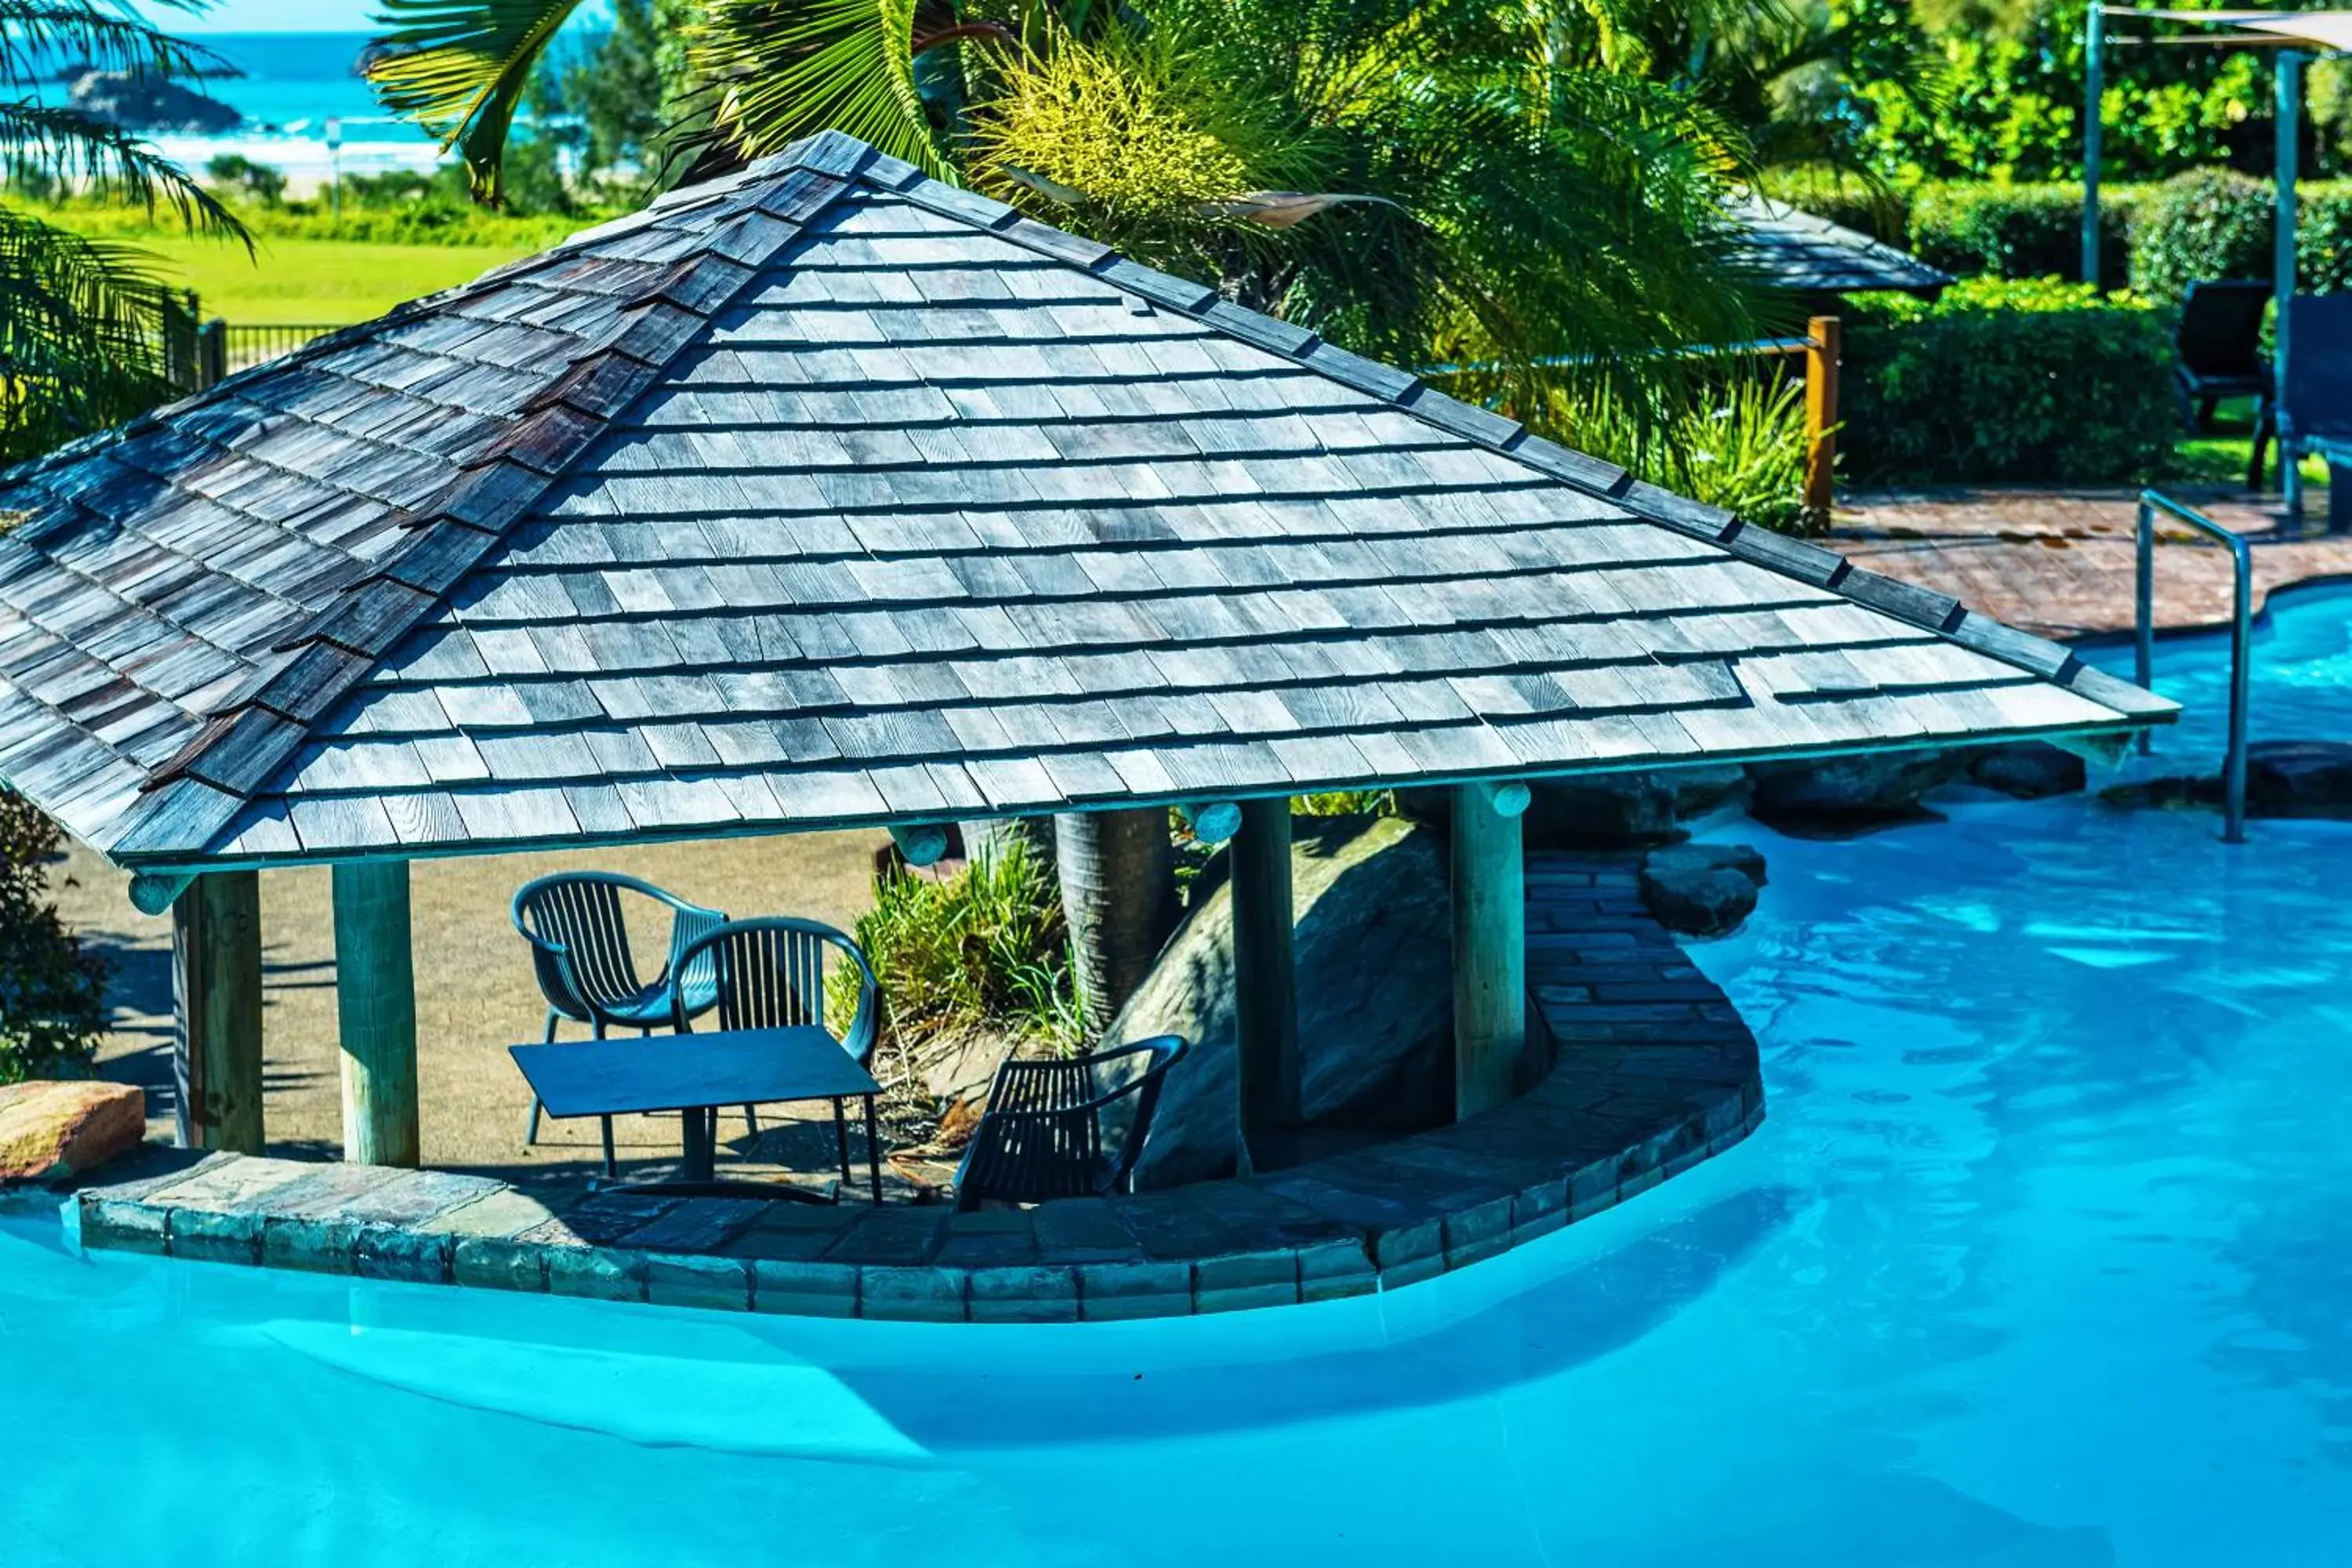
375, 1003
1821, 359
212, 354
1490, 953
1266, 972
216, 1011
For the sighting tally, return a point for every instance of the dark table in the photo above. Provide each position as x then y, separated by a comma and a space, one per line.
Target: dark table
696, 1074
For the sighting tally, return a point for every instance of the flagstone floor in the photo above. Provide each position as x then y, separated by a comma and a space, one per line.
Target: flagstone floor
1656, 1073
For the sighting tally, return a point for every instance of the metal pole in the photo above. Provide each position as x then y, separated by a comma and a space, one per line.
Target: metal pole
2233, 765
2094, 31
2242, 636
2288, 115
2143, 611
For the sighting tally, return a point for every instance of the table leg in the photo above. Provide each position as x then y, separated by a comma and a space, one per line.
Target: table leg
873, 1149
698, 1122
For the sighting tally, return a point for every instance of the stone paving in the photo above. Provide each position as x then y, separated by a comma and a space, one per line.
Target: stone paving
1654, 1073
2062, 564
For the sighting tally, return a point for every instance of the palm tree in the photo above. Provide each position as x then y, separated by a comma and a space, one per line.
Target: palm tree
80, 346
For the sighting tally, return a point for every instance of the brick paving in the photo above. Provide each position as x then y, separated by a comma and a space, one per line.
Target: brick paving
2061, 562
1655, 1072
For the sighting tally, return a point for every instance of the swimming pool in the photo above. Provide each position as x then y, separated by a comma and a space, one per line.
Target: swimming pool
2044, 1257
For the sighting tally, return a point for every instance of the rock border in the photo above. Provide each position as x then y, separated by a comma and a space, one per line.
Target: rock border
1655, 1072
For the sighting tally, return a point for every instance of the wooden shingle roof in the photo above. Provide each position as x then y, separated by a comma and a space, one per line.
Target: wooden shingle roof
1808, 255
827, 495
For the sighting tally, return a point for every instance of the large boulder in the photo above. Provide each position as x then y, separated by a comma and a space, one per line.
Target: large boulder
2298, 778
2283, 778
55, 1132
2030, 770
1702, 890
1836, 797
135, 101
1375, 997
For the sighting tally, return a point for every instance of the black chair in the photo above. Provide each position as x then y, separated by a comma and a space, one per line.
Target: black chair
769, 973
577, 925
2217, 354
1052, 1129
2315, 403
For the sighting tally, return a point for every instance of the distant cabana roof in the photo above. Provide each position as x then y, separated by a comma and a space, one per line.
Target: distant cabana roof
828, 495
1804, 253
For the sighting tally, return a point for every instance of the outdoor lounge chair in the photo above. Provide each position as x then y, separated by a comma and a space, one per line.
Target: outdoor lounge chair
2217, 354
577, 925
769, 973
1065, 1129
2315, 404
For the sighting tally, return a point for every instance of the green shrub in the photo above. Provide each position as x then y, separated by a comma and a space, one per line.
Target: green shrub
2001, 380
2207, 223
2323, 238
1740, 445
52, 989
2017, 231
986, 947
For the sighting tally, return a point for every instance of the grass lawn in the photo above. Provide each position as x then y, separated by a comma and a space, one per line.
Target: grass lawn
2220, 455
333, 282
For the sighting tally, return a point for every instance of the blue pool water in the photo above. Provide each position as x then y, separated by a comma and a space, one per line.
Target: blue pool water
2043, 1257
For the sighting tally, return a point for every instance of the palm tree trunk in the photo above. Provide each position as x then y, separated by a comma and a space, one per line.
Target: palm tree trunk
1118, 894
989, 835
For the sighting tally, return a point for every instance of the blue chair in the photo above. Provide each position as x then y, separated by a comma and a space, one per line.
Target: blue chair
769, 973
577, 925
2315, 402
1065, 1129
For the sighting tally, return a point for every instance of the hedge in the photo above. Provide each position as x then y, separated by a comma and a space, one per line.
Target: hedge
2018, 381
2207, 223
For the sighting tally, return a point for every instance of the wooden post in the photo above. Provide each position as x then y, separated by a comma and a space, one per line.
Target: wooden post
212, 354
1490, 952
216, 1011
1821, 359
1266, 972
375, 1003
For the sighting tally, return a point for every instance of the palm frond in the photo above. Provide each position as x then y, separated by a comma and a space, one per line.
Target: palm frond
458, 69
80, 335
99, 157
780, 70
35, 34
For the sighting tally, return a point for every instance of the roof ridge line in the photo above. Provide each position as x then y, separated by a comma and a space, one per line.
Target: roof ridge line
255, 734
1826, 568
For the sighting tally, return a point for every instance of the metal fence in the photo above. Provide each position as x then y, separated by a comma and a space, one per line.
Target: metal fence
250, 345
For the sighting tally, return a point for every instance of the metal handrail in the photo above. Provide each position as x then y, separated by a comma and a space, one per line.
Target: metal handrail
2242, 622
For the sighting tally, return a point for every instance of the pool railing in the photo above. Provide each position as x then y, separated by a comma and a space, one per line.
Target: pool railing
2241, 617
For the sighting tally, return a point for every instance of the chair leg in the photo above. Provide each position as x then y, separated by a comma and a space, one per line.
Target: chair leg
2254, 464
752, 1121
612, 1167
841, 1136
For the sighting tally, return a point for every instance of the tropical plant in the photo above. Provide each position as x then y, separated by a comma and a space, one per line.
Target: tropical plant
79, 340
1743, 448
52, 989
1420, 180
985, 948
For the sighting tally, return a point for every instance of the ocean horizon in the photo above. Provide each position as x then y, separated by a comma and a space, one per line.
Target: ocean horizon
289, 87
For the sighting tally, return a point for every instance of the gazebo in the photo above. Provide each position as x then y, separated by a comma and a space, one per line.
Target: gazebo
827, 495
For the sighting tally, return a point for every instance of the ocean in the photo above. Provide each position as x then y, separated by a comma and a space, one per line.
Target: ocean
291, 86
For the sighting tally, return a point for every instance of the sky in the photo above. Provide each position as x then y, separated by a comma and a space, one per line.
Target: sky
270, 16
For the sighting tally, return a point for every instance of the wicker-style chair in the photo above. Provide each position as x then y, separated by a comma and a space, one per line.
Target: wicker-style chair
1065, 1129
577, 925
769, 973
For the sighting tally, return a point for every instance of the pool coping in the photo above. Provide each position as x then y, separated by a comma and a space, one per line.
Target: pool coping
1654, 1073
